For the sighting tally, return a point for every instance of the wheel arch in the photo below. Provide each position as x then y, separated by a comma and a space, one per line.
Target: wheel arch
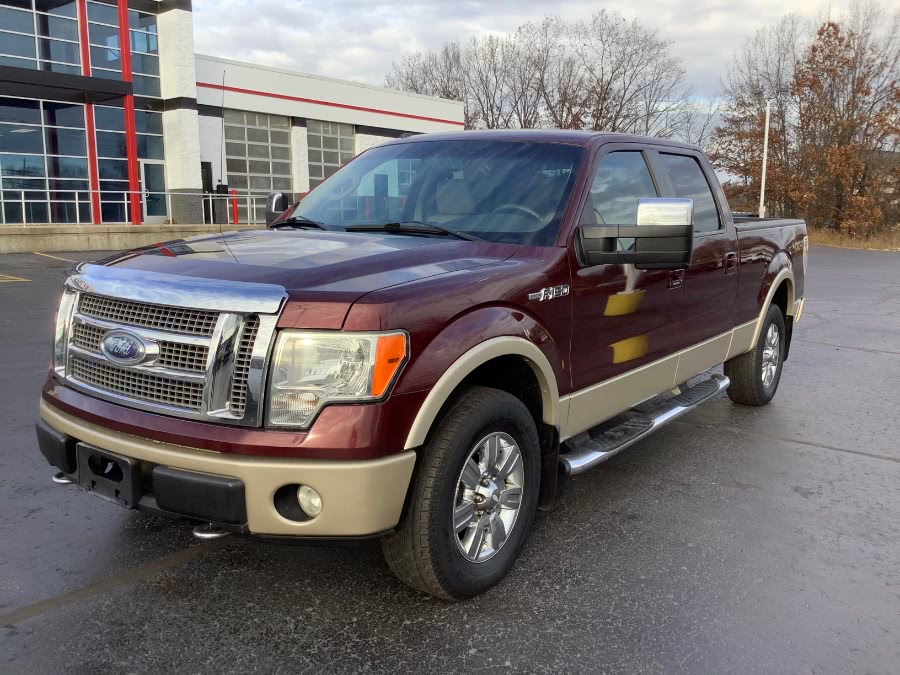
479, 357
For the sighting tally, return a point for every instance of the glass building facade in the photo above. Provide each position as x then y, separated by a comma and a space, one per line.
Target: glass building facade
90, 155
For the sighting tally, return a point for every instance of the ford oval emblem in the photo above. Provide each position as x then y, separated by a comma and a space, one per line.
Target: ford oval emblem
122, 347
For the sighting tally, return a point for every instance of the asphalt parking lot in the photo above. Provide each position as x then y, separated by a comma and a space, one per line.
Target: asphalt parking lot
737, 540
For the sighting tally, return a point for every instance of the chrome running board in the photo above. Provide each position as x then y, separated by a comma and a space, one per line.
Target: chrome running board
602, 442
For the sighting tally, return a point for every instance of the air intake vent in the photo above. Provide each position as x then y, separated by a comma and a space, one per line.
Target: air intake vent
238, 402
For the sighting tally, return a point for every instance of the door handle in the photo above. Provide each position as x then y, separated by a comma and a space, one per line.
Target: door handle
676, 278
730, 263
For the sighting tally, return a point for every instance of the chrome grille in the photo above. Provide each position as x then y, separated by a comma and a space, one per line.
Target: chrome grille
193, 363
238, 402
182, 356
159, 317
176, 355
138, 385
87, 337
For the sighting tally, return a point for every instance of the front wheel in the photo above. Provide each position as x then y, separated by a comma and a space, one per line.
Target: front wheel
473, 499
755, 375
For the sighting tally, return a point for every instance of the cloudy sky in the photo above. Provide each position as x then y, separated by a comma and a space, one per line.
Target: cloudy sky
359, 39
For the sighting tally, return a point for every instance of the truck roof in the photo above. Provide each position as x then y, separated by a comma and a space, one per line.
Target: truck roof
567, 136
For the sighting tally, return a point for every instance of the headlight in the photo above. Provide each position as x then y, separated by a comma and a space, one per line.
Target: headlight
61, 339
310, 370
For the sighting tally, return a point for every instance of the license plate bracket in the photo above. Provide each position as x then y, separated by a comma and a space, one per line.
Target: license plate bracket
110, 476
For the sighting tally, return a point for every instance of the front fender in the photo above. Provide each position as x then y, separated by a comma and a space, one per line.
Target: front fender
471, 341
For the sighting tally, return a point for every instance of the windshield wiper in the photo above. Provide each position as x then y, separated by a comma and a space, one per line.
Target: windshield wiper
413, 227
300, 222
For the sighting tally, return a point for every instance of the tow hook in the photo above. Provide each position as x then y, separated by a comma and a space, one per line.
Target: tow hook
61, 479
208, 532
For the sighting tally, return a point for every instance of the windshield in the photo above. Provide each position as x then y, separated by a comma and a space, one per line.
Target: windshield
498, 191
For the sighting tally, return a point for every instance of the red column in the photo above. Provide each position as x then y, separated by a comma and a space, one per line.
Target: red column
90, 135
130, 133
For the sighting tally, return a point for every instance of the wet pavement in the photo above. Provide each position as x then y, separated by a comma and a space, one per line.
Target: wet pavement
737, 539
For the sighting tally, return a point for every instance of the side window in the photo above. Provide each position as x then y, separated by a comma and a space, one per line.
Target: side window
690, 183
622, 179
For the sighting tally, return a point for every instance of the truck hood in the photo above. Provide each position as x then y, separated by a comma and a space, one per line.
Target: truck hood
324, 273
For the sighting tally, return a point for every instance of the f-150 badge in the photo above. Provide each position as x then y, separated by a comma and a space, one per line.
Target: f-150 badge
549, 293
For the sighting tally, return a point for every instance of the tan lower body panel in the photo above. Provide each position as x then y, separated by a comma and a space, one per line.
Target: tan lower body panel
594, 405
358, 497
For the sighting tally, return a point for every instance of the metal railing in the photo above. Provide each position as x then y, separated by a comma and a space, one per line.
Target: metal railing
233, 208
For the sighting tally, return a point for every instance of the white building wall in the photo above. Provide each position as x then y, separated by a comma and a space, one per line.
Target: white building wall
366, 141
299, 163
211, 149
283, 92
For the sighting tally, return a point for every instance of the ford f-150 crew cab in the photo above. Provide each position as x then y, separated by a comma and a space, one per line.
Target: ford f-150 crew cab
419, 348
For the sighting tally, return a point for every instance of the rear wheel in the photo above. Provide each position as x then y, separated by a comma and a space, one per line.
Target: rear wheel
756, 374
473, 500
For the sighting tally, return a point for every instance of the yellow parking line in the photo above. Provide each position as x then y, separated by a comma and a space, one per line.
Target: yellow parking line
7, 278
55, 257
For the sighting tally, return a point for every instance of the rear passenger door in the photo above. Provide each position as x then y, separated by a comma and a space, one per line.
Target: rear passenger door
711, 280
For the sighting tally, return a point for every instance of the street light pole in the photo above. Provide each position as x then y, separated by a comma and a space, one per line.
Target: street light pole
762, 186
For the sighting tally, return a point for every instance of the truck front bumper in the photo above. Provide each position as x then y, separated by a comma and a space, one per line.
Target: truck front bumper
359, 497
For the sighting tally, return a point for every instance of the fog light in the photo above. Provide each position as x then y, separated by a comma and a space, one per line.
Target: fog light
310, 501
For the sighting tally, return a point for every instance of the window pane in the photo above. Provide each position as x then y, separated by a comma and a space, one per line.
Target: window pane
234, 117
104, 36
24, 184
17, 45
65, 142
14, 138
281, 168
259, 167
259, 151
60, 68
279, 152
237, 182
331, 158
103, 13
346, 144
236, 149
281, 137
63, 114
235, 133
281, 184
621, 180
150, 147
17, 110
145, 63
315, 156
141, 21
110, 119
148, 122
57, 27
111, 144
279, 122
36, 212
690, 183
236, 165
329, 143
258, 135
313, 127
57, 7
113, 185
16, 62
55, 50
146, 86
144, 42
13, 19
112, 168
59, 184
22, 165
67, 167
104, 57
23, 4
260, 183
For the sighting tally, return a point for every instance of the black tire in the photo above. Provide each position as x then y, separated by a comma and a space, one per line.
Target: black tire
746, 371
422, 551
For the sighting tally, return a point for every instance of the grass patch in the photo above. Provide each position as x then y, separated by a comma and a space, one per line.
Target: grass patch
882, 241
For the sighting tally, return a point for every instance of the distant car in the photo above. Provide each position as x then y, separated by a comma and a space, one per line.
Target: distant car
416, 349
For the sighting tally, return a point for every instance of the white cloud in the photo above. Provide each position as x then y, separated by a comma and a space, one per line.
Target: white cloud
359, 39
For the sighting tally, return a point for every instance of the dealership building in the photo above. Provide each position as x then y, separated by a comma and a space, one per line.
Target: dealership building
108, 116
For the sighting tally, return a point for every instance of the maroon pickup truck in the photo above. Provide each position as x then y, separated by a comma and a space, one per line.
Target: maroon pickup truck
418, 349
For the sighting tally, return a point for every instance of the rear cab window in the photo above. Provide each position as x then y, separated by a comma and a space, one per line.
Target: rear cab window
689, 182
